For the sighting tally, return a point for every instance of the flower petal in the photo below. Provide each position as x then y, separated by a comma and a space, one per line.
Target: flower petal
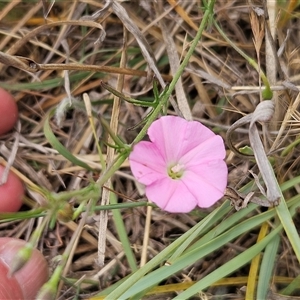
187, 143
211, 149
207, 182
175, 136
146, 163
171, 195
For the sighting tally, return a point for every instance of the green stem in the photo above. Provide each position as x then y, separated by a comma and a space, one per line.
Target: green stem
165, 96
113, 168
88, 192
170, 88
125, 205
122, 233
117, 293
24, 254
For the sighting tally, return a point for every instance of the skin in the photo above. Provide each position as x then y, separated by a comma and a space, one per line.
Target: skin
11, 192
8, 112
26, 282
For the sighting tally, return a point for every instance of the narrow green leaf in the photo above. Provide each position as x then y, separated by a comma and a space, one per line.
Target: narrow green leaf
266, 268
119, 223
191, 257
55, 143
229, 267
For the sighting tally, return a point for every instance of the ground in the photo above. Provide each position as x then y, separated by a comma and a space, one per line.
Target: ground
248, 53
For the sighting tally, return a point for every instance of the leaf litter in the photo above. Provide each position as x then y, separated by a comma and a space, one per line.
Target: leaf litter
63, 54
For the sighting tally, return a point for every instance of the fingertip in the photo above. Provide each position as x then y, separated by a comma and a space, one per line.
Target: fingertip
9, 286
30, 278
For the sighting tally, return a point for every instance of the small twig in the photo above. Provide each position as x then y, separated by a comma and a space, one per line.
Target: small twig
26, 64
110, 158
146, 236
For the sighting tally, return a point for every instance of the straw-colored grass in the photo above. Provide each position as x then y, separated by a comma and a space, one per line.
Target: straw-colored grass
55, 58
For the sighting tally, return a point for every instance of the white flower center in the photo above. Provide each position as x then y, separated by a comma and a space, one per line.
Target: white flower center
176, 171
177, 168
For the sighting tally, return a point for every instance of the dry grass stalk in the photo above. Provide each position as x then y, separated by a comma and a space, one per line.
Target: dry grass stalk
218, 85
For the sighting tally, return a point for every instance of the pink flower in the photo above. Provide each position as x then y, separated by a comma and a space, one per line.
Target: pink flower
182, 166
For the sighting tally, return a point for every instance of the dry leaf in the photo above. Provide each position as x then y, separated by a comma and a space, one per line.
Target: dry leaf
263, 113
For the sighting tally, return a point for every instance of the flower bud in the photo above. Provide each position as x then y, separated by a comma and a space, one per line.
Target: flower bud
65, 214
21, 258
47, 292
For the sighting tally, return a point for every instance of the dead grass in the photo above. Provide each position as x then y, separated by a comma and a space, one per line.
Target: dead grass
218, 85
